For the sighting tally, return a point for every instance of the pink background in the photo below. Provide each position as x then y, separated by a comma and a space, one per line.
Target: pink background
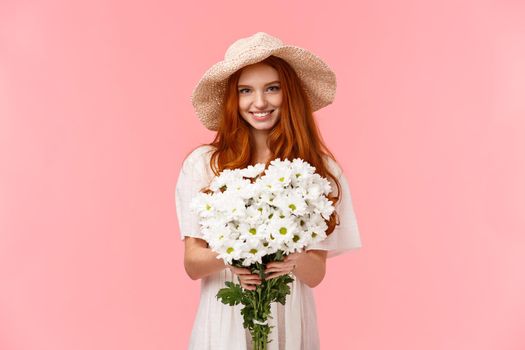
428, 123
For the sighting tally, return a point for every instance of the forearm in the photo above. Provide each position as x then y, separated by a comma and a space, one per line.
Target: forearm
200, 261
311, 267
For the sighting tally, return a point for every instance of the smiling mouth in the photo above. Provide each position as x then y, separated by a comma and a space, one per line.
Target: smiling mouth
262, 115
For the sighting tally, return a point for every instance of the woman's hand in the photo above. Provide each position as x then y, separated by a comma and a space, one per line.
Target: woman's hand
247, 279
278, 268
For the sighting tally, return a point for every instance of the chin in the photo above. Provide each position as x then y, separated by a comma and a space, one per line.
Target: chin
268, 126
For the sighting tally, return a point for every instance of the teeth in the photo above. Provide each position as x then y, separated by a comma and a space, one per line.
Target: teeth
259, 115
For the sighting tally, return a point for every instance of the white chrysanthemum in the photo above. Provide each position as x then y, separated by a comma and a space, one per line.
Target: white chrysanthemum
291, 203
323, 183
277, 176
233, 183
218, 220
253, 170
233, 206
316, 234
216, 236
314, 219
316, 227
270, 248
254, 251
296, 243
323, 206
312, 191
301, 172
204, 204
248, 231
280, 229
243, 188
257, 214
266, 195
226, 178
231, 250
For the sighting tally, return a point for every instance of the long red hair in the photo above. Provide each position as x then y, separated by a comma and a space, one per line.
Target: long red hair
295, 134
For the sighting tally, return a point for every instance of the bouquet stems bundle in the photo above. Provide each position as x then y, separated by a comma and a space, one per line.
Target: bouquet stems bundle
256, 304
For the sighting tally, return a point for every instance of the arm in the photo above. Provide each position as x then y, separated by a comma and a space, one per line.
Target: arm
310, 267
199, 260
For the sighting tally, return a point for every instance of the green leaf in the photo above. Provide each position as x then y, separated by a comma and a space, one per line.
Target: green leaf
282, 288
279, 255
231, 295
248, 314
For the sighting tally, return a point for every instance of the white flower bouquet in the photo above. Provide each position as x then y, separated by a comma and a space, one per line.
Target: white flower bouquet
253, 216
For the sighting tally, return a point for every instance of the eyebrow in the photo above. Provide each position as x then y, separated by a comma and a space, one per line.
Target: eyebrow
273, 82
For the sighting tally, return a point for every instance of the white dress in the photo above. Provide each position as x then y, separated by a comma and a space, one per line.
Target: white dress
218, 326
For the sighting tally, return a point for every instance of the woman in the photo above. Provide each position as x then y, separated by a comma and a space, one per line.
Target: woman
260, 100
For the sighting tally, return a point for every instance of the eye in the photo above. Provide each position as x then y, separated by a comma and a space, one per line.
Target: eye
275, 88
241, 90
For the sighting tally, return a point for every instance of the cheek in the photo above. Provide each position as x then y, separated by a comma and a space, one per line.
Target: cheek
243, 110
277, 101
243, 104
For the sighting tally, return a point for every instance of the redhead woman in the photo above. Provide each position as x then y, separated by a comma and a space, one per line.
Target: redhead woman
260, 101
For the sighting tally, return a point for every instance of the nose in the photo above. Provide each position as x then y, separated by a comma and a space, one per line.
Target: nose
260, 100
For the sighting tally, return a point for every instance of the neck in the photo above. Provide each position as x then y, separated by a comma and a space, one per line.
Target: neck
262, 152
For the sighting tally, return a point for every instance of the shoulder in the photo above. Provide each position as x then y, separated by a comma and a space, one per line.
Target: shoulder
197, 162
198, 155
333, 166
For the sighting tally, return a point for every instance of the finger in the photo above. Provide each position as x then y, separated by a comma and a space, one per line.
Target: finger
275, 265
237, 268
286, 269
240, 271
250, 277
250, 284
280, 271
291, 259
280, 268
251, 280
277, 274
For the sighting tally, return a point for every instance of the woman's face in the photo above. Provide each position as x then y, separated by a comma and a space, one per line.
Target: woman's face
260, 96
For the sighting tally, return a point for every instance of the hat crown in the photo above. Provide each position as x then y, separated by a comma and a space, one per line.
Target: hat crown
258, 42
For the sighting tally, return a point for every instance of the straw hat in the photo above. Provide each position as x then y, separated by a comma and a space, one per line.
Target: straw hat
318, 79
